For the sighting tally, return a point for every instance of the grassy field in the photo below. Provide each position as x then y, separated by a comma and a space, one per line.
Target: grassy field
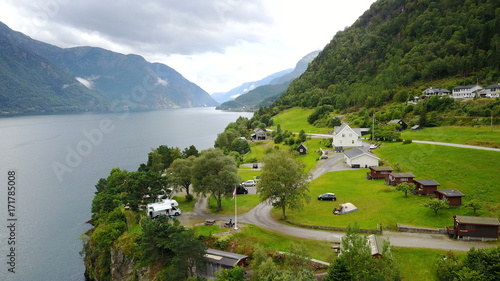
295, 119
453, 168
480, 135
472, 171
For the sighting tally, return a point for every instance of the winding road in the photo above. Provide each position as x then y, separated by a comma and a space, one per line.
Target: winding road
261, 217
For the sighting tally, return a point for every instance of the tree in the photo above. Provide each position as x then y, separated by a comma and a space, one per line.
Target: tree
180, 173
473, 204
302, 136
283, 182
240, 145
357, 263
479, 264
173, 245
235, 274
190, 151
405, 187
216, 174
437, 205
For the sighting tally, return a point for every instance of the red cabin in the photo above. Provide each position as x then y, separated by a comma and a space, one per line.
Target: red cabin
452, 195
474, 228
379, 172
425, 187
397, 178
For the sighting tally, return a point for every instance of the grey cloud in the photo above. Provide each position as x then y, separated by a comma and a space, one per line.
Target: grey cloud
171, 27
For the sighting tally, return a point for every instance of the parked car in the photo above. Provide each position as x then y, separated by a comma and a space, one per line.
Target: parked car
373, 146
327, 196
241, 190
248, 183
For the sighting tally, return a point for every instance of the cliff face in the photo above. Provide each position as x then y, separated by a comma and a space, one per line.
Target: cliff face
123, 267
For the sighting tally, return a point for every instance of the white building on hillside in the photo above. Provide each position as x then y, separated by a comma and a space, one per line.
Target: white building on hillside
345, 136
463, 92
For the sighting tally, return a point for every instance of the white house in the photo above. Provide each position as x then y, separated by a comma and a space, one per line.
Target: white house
357, 158
492, 91
345, 136
435, 92
463, 92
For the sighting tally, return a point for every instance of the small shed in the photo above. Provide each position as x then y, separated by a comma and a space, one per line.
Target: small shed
397, 178
376, 245
400, 122
218, 260
474, 228
357, 158
425, 187
302, 149
452, 195
379, 172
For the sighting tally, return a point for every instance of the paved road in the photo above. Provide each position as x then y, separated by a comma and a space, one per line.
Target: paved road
458, 145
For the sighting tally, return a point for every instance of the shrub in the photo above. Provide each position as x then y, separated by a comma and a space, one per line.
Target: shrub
407, 141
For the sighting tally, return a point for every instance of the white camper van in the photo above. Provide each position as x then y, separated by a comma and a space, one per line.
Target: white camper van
166, 207
167, 210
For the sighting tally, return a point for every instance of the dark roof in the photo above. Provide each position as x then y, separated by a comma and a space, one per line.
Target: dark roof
224, 258
303, 146
438, 90
387, 168
494, 86
450, 192
403, 175
428, 182
355, 152
477, 220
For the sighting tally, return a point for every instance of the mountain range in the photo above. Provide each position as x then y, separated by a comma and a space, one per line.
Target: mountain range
269, 90
37, 77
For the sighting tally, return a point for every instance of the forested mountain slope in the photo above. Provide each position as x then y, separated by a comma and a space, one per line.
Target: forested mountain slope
402, 45
37, 77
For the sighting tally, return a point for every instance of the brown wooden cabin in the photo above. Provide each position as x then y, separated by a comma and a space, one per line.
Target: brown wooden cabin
218, 260
397, 178
474, 228
452, 195
379, 172
425, 187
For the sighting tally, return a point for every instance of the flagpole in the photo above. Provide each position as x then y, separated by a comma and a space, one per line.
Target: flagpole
235, 212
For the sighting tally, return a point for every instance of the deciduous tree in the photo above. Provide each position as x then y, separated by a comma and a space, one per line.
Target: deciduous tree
437, 205
283, 182
180, 173
214, 173
405, 187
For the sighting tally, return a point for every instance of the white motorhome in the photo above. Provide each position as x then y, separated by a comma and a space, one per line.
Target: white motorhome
167, 210
167, 207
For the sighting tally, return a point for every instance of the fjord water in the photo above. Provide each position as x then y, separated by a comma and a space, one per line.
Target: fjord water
58, 159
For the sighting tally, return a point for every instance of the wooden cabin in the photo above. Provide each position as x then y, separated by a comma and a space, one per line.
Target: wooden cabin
259, 134
452, 195
379, 172
474, 228
302, 149
425, 187
397, 178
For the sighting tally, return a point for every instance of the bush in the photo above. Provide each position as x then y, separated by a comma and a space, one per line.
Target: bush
406, 141
189, 197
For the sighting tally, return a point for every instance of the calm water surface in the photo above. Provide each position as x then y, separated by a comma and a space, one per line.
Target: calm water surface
59, 158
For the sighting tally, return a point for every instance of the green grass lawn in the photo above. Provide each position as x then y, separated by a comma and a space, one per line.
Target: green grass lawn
295, 119
418, 263
480, 135
472, 171
377, 203
244, 202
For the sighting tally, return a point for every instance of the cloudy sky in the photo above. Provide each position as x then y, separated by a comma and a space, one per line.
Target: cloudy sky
217, 44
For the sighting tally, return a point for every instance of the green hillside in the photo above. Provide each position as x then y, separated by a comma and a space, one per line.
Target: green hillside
400, 47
